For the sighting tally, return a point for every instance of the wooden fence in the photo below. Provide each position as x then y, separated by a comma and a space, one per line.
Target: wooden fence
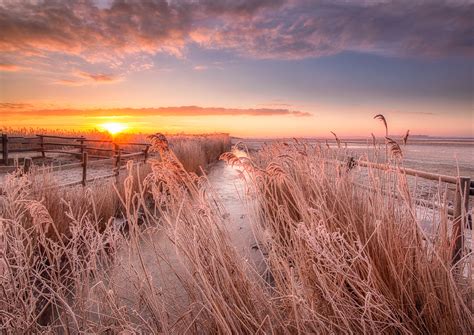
84, 148
464, 188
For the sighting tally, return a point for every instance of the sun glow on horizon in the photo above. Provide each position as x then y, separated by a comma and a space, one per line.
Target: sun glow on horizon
114, 127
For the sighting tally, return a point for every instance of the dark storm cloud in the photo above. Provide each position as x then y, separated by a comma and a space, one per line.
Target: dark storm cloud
278, 29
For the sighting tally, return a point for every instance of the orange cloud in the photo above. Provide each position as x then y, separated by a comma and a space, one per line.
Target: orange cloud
9, 67
11, 110
12, 106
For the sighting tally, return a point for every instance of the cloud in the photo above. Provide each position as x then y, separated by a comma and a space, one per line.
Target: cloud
23, 110
86, 78
13, 106
200, 67
9, 67
303, 29
290, 29
277, 103
99, 77
70, 82
412, 112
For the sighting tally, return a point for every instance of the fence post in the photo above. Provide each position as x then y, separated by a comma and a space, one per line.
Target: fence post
27, 165
42, 146
5, 148
117, 160
85, 158
461, 209
145, 153
81, 141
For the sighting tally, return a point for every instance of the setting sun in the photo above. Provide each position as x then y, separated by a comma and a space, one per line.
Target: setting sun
113, 127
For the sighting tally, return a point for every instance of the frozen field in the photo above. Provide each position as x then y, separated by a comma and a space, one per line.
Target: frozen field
437, 155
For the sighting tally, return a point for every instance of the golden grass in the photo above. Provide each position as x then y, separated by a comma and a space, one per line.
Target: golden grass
88, 133
352, 259
197, 152
341, 259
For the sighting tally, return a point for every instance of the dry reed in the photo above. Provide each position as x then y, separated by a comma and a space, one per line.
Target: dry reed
340, 259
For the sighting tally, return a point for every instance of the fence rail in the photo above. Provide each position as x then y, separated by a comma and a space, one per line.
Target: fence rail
460, 212
44, 144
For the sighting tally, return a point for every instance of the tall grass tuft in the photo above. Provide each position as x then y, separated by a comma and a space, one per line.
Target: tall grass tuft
347, 259
197, 152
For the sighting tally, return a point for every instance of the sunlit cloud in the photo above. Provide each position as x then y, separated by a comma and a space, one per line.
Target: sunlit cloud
278, 103
9, 67
70, 82
99, 77
200, 67
83, 78
258, 29
29, 111
5, 106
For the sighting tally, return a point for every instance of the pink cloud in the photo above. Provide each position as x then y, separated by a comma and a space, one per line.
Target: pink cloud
200, 67
99, 77
252, 28
70, 82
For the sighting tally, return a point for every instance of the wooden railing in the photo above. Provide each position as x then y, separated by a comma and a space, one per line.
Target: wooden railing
464, 188
86, 153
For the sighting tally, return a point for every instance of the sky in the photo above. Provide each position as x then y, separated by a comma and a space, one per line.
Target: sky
254, 68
